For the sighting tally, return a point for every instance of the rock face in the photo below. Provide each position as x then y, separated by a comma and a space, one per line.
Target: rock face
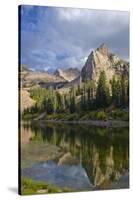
31, 78
67, 74
26, 101
102, 60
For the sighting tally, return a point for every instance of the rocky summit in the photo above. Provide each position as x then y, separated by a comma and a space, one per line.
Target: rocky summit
101, 59
68, 74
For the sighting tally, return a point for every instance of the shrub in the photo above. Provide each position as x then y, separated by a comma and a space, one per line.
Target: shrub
101, 115
120, 115
49, 117
92, 115
26, 182
73, 116
53, 189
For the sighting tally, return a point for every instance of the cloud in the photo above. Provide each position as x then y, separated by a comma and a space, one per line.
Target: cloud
64, 37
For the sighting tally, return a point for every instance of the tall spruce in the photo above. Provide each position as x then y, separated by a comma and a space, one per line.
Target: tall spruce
102, 93
72, 100
124, 91
90, 94
115, 91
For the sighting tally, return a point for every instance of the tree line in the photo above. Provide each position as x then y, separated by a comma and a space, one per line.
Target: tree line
83, 97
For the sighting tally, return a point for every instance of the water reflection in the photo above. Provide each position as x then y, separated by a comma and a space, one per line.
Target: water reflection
102, 152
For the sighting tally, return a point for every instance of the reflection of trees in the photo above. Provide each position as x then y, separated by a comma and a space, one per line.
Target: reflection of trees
103, 152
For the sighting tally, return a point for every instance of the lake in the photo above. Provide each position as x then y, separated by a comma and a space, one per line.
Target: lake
76, 156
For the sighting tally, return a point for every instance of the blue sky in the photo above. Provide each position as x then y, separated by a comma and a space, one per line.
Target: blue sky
54, 37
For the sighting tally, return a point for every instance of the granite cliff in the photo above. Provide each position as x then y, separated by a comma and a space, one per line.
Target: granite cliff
101, 59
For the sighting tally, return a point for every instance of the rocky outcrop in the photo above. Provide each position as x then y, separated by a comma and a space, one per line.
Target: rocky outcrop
31, 78
25, 100
102, 60
67, 74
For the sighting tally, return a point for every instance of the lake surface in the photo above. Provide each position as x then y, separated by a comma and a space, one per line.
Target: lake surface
75, 156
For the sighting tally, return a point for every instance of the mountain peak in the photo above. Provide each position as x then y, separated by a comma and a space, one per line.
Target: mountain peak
101, 60
103, 49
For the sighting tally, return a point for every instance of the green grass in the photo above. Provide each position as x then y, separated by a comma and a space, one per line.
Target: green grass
29, 116
95, 115
116, 114
101, 115
29, 187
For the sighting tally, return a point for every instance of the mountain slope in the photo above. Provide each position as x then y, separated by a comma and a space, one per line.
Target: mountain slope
102, 60
25, 100
67, 74
30, 78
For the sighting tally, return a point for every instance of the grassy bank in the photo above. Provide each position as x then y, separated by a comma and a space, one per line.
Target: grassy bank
92, 115
116, 114
29, 187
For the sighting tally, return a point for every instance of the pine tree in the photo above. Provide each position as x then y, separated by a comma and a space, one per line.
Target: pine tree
78, 91
102, 93
127, 93
54, 103
72, 105
83, 104
50, 106
59, 102
118, 93
90, 94
124, 94
114, 90
72, 100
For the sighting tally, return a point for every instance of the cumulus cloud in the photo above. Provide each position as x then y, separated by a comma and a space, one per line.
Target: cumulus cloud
63, 37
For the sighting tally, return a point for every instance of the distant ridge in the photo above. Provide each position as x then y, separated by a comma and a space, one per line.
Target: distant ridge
67, 74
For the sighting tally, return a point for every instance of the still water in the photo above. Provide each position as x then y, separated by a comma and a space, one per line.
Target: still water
76, 156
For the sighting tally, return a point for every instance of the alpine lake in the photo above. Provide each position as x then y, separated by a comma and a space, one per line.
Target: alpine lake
75, 156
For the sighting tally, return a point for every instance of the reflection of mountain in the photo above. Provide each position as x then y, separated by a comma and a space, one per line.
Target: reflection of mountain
73, 177
102, 152
102, 170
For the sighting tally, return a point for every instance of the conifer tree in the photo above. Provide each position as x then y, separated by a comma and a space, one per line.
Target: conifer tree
123, 91
72, 100
114, 90
102, 93
50, 107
